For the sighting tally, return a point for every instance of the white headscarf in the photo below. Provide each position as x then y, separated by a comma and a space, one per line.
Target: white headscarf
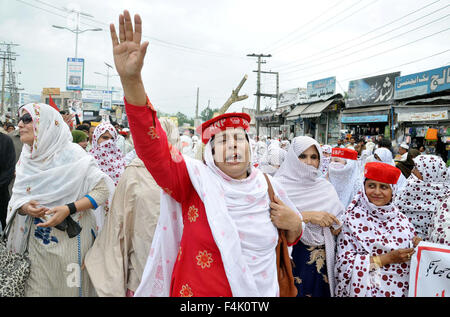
385, 155
346, 179
420, 198
54, 171
309, 192
239, 219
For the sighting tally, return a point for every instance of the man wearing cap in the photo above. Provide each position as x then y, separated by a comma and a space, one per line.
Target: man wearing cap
217, 231
403, 152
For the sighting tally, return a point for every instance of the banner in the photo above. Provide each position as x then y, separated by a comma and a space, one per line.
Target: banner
430, 271
423, 116
378, 90
422, 83
75, 74
321, 89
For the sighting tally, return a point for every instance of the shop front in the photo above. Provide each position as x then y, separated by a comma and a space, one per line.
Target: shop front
367, 122
269, 124
425, 126
322, 120
368, 107
422, 110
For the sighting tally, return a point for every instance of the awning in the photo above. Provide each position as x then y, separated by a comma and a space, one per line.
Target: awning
315, 110
295, 114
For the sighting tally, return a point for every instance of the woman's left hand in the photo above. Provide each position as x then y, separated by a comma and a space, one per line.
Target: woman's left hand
416, 240
284, 217
59, 214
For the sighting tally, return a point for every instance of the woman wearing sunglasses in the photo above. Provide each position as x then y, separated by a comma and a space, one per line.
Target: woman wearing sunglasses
57, 187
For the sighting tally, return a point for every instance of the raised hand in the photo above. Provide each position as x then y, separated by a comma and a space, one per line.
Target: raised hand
129, 56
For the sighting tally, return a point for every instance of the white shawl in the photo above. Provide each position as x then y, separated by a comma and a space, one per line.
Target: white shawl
309, 192
54, 171
239, 217
346, 179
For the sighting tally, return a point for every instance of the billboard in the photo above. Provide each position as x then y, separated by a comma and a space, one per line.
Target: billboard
378, 90
423, 83
75, 74
321, 89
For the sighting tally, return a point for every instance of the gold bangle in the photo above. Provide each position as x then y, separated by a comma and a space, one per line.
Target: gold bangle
377, 261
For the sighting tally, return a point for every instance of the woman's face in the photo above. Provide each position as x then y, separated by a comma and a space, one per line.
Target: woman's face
338, 160
26, 130
104, 137
83, 144
231, 152
379, 194
310, 157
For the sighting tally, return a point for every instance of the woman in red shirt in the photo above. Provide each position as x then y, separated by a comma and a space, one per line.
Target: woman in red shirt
217, 231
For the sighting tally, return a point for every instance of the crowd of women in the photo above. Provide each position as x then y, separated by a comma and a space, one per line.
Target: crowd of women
155, 222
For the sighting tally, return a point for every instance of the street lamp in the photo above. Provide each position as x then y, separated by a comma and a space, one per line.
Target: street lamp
77, 30
107, 75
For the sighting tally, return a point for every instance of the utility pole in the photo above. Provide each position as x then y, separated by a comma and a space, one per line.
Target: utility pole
258, 85
8, 56
196, 107
277, 95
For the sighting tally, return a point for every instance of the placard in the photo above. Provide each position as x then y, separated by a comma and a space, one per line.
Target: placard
430, 271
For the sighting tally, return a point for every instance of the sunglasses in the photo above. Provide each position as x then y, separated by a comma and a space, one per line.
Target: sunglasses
26, 118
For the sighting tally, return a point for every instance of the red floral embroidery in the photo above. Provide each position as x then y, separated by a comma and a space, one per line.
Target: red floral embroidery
192, 214
204, 259
186, 291
152, 133
179, 254
167, 191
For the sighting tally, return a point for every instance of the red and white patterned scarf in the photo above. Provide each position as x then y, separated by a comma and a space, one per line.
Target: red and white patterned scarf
419, 199
107, 155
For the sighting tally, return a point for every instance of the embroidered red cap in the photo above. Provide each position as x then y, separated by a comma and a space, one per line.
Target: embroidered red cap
344, 153
221, 123
382, 172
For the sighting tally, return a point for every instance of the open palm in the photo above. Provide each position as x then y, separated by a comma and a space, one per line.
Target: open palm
128, 51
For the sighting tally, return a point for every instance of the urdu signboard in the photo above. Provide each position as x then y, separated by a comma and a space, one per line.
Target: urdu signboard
423, 83
321, 89
378, 90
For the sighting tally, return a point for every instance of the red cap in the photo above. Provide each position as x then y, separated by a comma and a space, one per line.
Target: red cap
382, 172
344, 153
221, 123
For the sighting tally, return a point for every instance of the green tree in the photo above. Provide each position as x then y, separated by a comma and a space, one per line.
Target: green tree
207, 113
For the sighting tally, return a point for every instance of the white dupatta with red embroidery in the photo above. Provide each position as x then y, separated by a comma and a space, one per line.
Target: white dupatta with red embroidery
239, 218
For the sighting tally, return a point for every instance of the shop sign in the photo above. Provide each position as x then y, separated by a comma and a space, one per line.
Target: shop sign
371, 91
321, 89
423, 116
365, 119
423, 83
